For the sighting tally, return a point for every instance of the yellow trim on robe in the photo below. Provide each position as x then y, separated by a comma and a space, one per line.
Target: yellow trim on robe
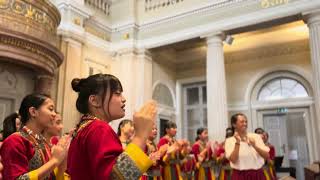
139, 157
167, 166
166, 158
167, 172
202, 173
271, 171
222, 175
62, 176
33, 175
56, 171
66, 176
266, 174
179, 172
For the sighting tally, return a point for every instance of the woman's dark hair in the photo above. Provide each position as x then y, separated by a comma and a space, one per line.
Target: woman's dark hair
98, 84
229, 132
122, 124
199, 132
234, 119
32, 100
168, 125
259, 131
9, 125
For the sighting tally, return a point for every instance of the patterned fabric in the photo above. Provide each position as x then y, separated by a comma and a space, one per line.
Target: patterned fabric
41, 153
23, 153
127, 167
24, 177
36, 161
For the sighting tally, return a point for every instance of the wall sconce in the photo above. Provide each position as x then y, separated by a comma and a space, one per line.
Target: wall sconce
229, 39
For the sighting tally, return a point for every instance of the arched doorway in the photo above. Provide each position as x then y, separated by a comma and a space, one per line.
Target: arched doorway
282, 103
165, 98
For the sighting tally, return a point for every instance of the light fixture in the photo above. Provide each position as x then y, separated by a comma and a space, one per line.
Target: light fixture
229, 39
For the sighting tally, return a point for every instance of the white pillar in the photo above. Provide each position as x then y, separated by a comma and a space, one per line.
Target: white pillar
134, 69
143, 77
69, 69
313, 21
217, 112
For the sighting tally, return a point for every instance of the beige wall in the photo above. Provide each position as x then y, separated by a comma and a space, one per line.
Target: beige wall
96, 58
164, 75
239, 75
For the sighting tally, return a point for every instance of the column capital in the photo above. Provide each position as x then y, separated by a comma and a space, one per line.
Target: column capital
214, 38
134, 51
311, 17
72, 41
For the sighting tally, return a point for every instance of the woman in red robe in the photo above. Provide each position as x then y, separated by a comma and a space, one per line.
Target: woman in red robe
225, 169
25, 154
171, 160
270, 161
154, 172
96, 151
203, 155
268, 168
188, 164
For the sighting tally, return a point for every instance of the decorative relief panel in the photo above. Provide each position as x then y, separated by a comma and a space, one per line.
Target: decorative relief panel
28, 33
41, 18
97, 32
7, 79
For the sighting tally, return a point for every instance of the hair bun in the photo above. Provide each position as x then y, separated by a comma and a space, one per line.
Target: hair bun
76, 84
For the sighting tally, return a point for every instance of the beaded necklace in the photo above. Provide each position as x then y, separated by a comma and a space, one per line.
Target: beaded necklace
39, 143
85, 120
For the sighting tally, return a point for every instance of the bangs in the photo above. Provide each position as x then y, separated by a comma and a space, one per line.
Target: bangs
115, 85
171, 125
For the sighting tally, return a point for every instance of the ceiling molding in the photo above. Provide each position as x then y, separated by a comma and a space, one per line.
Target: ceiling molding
261, 53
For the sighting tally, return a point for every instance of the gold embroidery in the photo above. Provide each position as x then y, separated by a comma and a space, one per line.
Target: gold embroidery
30, 12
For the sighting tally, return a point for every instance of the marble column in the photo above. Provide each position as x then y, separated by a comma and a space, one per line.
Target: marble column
313, 22
217, 112
134, 69
70, 68
143, 77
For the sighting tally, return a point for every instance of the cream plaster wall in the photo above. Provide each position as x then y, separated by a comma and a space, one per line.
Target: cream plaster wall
239, 75
164, 75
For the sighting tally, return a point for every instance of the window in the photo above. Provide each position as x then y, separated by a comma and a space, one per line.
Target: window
195, 109
163, 95
282, 88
